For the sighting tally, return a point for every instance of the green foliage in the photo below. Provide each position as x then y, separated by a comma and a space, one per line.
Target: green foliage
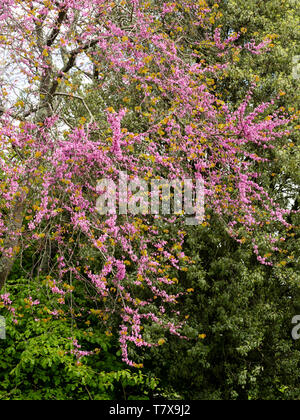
239, 326
240, 343
37, 360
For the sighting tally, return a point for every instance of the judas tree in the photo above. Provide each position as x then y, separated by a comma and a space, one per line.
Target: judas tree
168, 124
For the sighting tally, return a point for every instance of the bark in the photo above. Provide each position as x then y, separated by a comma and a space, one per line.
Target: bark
11, 241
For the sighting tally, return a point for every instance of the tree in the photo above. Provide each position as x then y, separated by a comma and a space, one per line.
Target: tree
240, 313
239, 326
50, 167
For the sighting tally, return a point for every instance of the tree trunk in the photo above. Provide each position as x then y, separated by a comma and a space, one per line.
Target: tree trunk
11, 241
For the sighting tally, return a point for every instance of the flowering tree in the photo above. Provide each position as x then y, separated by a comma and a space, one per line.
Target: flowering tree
166, 123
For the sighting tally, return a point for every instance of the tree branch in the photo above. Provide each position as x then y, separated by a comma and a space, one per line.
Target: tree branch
77, 97
61, 17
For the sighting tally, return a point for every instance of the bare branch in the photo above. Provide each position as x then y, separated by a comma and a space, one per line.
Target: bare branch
61, 17
77, 97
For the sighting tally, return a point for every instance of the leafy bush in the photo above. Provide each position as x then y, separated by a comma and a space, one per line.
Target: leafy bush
39, 360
